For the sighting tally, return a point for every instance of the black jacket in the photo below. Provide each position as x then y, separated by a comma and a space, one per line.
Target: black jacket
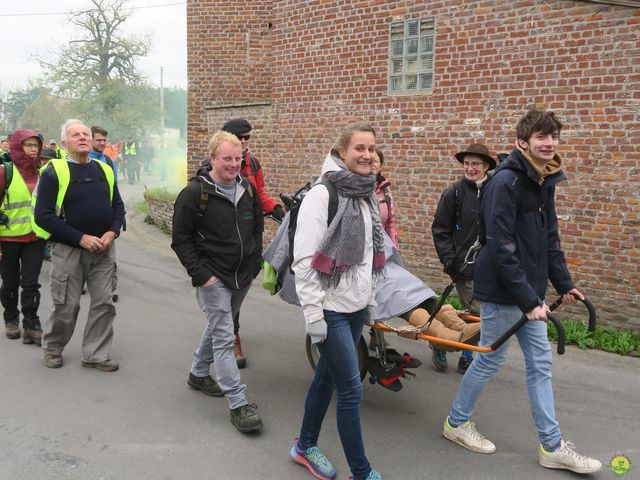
455, 224
521, 249
221, 238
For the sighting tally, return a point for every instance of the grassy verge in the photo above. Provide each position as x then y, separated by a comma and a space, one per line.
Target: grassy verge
607, 339
162, 194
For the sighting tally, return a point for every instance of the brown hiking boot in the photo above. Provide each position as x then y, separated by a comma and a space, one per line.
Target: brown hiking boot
107, 365
52, 360
12, 330
32, 336
237, 351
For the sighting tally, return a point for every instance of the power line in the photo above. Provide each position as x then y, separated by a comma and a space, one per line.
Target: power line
49, 14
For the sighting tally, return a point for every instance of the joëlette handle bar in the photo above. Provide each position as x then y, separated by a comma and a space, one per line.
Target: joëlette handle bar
495, 345
587, 303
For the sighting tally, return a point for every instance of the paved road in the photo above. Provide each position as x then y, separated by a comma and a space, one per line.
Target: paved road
143, 422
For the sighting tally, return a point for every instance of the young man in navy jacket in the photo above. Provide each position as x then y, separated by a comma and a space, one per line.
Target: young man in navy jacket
521, 252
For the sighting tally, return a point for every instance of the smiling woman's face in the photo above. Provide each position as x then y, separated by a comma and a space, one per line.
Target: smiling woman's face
359, 153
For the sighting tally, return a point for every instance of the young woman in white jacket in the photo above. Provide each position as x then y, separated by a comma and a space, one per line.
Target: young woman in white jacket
335, 268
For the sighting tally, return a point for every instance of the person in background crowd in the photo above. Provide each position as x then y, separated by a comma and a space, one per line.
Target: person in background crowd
520, 254
335, 267
82, 248
217, 236
21, 252
60, 152
455, 230
99, 143
4, 146
132, 159
383, 192
252, 170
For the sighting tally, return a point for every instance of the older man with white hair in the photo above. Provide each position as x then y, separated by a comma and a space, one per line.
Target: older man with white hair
79, 208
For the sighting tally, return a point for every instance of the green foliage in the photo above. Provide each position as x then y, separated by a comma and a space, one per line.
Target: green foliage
141, 207
161, 194
607, 339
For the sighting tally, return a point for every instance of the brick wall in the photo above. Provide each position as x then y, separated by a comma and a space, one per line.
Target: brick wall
325, 64
160, 210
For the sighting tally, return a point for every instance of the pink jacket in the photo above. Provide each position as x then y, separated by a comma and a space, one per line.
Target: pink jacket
383, 192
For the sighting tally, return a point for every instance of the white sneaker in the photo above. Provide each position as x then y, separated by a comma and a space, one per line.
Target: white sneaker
567, 458
467, 436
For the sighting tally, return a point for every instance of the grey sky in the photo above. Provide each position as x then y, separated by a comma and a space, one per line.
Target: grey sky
22, 36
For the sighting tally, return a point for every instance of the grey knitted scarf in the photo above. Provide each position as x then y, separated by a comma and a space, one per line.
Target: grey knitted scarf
342, 248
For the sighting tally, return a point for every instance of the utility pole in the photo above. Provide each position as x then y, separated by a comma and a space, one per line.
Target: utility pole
162, 101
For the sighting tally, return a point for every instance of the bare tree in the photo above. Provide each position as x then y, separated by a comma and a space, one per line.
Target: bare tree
102, 58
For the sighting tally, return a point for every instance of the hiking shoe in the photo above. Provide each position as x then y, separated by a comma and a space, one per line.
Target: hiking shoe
52, 360
32, 336
565, 457
467, 436
439, 359
312, 458
107, 365
237, 351
463, 364
206, 385
11, 330
245, 419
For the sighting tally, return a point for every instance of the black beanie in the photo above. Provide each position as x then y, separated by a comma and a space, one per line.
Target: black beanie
237, 126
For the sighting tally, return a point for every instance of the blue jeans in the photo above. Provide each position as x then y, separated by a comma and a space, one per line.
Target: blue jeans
338, 369
532, 336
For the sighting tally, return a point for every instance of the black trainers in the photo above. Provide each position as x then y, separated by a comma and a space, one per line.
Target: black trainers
245, 419
439, 359
206, 385
463, 364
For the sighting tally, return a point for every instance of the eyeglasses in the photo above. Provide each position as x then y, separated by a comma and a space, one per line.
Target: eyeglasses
31, 145
473, 164
244, 137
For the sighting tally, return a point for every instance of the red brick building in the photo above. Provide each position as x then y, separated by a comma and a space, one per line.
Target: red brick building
432, 77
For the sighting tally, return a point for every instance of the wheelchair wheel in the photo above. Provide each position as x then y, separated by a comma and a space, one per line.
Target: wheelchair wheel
313, 355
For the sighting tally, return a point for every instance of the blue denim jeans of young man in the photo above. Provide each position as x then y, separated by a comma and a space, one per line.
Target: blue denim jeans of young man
532, 336
338, 369
220, 303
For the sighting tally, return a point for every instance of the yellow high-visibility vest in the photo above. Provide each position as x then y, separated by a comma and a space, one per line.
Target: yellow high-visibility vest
61, 168
17, 206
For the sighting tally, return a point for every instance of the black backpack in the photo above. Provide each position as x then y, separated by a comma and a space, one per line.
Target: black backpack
294, 208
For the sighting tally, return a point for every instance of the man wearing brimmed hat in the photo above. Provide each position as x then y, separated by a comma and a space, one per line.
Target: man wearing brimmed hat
250, 169
455, 229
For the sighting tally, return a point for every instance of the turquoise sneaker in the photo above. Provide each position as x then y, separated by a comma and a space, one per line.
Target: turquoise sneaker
373, 475
312, 458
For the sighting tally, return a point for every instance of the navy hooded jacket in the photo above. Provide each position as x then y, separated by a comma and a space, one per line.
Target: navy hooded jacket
521, 250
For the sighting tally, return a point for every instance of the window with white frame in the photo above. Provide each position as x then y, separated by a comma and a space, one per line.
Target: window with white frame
411, 50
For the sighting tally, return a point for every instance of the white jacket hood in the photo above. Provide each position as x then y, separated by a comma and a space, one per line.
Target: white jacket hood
329, 164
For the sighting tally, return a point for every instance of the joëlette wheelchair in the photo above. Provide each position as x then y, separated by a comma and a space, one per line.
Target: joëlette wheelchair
386, 366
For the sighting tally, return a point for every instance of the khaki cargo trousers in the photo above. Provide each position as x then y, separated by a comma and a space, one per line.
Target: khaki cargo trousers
71, 267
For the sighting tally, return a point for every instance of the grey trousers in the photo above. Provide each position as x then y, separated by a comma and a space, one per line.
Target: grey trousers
220, 304
464, 288
70, 268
